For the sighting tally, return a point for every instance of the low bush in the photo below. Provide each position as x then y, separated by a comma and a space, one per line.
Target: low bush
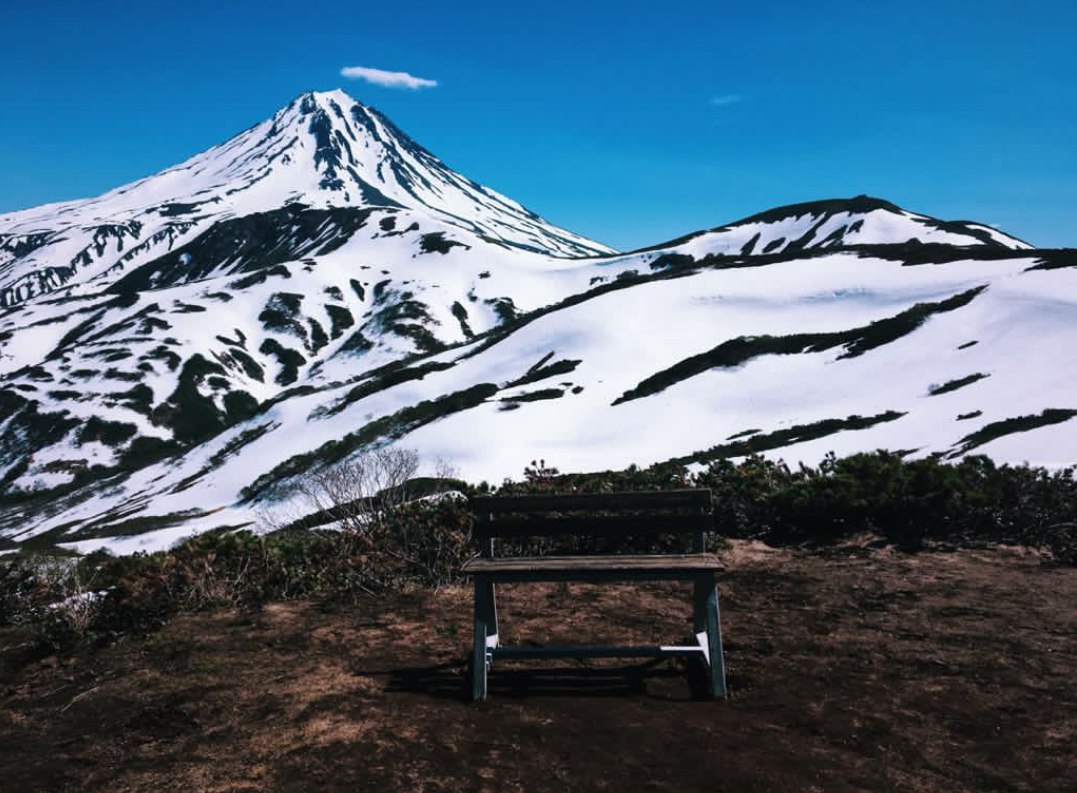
907, 502
411, 533
52, 595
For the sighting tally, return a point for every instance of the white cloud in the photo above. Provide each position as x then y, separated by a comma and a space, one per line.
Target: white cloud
725, 99
387, 79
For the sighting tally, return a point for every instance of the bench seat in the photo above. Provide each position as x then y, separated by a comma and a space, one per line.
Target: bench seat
586, 568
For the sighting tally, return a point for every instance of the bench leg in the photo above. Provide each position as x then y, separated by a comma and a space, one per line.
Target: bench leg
483, 590
491, 617
708, 628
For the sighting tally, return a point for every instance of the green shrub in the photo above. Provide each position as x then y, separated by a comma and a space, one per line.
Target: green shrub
53, 596
423, 539
908, 502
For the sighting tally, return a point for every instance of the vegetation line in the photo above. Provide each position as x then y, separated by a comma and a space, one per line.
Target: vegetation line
953, 385
762, 442
997, 429
742, 349
390, 536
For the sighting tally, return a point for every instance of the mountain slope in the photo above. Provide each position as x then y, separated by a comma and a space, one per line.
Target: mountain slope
836, 352
335, 289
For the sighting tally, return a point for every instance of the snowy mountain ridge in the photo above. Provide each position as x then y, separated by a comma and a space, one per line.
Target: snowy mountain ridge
837, 223
175, 351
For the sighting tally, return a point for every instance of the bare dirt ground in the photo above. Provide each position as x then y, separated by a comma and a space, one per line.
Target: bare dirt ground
849, 671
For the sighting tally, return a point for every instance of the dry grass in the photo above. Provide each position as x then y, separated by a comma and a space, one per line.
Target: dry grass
851, 671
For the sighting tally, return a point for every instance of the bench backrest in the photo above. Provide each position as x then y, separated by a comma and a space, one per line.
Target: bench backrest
648, 512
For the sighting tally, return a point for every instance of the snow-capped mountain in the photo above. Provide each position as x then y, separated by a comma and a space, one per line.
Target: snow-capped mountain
323, 150
320, 284
835, 224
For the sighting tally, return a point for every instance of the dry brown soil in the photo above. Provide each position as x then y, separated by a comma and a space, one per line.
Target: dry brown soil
849, 671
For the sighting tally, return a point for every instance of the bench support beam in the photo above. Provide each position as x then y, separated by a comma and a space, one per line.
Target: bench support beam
486, 635
644, 651
707, 627
707, 624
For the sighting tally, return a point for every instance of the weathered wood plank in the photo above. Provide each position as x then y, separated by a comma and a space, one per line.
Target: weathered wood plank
670, 567
590, 576
598, 526
693, 498
707, 597
612, 563
492, 639
478, 655
646, 651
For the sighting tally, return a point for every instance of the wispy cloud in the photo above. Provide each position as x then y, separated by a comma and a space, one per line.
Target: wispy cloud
725, 99
387, 79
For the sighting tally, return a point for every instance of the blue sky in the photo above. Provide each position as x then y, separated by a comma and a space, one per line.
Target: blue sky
628, 122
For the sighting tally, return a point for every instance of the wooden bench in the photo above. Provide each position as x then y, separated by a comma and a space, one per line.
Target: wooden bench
622, 514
